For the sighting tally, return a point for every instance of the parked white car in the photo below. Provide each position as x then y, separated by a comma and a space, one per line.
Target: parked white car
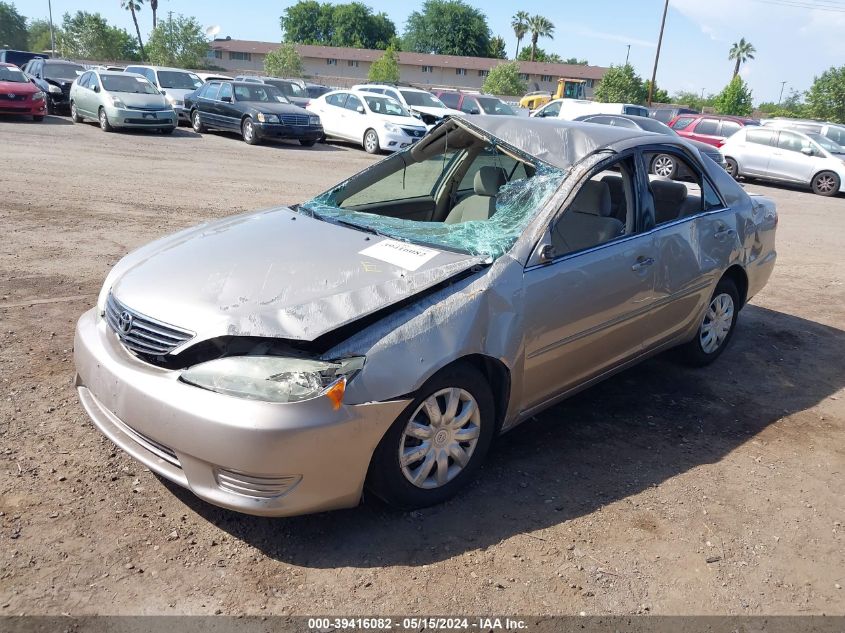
174, 84
430, 109
376, 121
570, 109
786, 156
834, 132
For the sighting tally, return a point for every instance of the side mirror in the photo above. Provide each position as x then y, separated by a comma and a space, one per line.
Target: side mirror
162, 92
96, 88
360, 109
226, 99
474, 111
547, 253
808, 151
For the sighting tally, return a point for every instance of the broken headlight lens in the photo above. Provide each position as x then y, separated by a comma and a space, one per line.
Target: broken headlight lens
274, 378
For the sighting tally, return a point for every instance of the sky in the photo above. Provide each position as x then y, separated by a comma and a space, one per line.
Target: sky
795, 39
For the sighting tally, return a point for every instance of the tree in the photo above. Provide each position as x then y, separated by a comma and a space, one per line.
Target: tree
88, 36
133, 6
539, 56
447, 27
284, 62
574, 61
497, 48
519, 23
621, 84
180, 41
539, 26
13, 32
741, 51
154, 9
734, 99
504, 80
791, 106
38, 36
693, 100
386, 68
659, 95
826, 97
353, 24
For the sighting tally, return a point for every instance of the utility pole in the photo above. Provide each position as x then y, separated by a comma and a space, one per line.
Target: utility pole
170, 31
780, 98
657, 54
627, 54
52, 36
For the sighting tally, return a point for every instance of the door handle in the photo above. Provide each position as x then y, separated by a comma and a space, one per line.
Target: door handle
723, 232
642, 262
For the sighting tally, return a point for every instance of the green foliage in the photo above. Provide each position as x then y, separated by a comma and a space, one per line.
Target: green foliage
38, 37
13, 32
504, 80
539, 26
386, 68
734, 99
284, 62
826, 97
178, 42
447, 27
693, 100
133, 6
791, 106
86, 35
576, 62
519, 24
539, 56
352, 25
497, 48
621, 84
741, 51
659, 95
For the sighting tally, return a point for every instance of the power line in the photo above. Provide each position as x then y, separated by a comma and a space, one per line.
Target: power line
804, 4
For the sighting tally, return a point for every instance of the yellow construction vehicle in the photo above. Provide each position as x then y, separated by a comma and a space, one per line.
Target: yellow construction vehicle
566, 89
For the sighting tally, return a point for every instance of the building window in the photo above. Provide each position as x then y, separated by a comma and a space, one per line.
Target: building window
215, 53
331, 62
523, 76
428, 69
352, 63
589, 83
546, 78
483, 73
461, 71
241, 57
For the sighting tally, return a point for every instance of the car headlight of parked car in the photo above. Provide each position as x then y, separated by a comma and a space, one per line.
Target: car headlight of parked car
267, 118
117, 103
38, 96
55, 90
391, 127
313, 120
275, 378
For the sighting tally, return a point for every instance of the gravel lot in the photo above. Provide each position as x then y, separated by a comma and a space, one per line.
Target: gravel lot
665, 490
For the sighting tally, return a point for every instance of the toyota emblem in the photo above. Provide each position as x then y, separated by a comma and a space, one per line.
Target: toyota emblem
124, 322
12, 95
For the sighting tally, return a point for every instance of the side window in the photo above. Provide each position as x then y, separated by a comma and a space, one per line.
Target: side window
83, 80
352, 103
211, 91
337, 99
760, 136
682, 123
93, 81
394, 94
225, 91
551, 110
709, 127
150, 74
685, 193
450, 99
602, 211
791, 141
836, 134
730, 127
470, 106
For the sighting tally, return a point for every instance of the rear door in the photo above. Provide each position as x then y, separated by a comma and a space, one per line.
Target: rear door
789, 160
756, 150
354, 122
207, 104
228, 115
706, 130
332, 113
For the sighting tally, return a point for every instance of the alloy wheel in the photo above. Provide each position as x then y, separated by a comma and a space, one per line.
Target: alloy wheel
717, 323
371, 142
825, 183
664, 166
104, 120
195, 121
440, 438
249, 131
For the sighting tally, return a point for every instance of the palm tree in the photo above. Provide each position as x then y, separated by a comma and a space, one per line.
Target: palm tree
132, 6
154, 7
519, 22
741, 51
539, 26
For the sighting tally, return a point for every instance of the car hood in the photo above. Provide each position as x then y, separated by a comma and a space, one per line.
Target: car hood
17, 87
272, 107
275, 273
179, 93
407, 121
135, 100
435, 111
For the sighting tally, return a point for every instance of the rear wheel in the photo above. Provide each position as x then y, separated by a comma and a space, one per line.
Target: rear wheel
732, 168
826, 183
664, 165
74, 113
305, 143
371, 144
197, 124
717, 326
248, 132
104, 121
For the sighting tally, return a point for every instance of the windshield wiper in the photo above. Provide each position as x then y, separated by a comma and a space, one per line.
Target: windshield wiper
361, 227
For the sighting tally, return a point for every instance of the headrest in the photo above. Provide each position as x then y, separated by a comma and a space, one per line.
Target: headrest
594, 199
668, 191
488, 179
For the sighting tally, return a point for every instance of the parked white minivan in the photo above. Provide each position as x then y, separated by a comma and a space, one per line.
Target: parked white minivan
174, 84
569, 109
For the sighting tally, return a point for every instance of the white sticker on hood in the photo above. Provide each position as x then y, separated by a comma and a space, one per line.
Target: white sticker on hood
402, 254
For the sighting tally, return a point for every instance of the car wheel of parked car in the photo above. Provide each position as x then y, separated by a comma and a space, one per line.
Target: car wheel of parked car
371, 142
437, 444
168, 130
307, 143
248, 131
717, 326
50, 108
826, 183
197, 124
104, 121
732, 168
38, 117
664, 165
74, 113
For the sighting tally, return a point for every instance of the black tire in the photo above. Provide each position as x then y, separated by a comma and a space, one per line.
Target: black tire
305, 143
74, 113
695, 353
371, 145
732, 167
386, 478
196, 123
105, 126
248, 132
38, 118
826, 183
665, 166
168, 130
51, 109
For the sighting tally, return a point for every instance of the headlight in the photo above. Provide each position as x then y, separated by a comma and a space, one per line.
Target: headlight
38, 96
313, 120
55, 89
390, 127
274, 378
117, 103
267, 118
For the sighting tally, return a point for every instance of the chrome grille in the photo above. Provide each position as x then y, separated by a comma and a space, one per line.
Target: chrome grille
294, 119
142, 334
413, 132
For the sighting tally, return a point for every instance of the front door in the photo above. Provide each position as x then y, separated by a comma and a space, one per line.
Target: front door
756, 150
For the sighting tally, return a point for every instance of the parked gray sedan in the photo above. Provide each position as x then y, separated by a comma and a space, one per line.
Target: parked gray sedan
383, 333
120, 100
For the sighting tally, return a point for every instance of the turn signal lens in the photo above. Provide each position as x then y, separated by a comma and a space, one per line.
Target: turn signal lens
335, 393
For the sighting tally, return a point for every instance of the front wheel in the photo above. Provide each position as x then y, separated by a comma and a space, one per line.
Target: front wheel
248, 132
436, 446
717, 326
732, 168
74, 113
197, 124
371, 144
168, 130
826, 183
307, 143
104, 121
664, 165
38, 118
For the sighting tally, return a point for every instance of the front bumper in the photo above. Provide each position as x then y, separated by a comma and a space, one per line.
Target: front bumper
25, 107
59, 101
280, 130
128, 117
255, 457
394, 141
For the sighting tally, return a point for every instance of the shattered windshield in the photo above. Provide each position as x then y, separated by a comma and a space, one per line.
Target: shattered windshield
460, 192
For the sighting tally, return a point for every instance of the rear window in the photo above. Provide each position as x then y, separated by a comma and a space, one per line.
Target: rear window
707, 126
761, 136
450, 99
636, 111
730, 127
178, 80
682, 123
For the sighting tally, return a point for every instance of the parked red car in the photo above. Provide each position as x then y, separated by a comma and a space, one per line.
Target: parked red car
18, 95
709, 128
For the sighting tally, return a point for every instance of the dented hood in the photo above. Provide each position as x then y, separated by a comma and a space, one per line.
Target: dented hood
277, 274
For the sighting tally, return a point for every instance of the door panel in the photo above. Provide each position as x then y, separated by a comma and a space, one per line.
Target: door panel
418, 209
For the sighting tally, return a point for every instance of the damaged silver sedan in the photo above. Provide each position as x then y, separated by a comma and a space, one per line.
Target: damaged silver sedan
383, 333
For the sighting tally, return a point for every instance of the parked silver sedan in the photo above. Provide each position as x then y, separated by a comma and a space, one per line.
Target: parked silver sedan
384, 332
120, 100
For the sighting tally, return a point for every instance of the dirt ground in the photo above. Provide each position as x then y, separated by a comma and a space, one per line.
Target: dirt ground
665, 490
